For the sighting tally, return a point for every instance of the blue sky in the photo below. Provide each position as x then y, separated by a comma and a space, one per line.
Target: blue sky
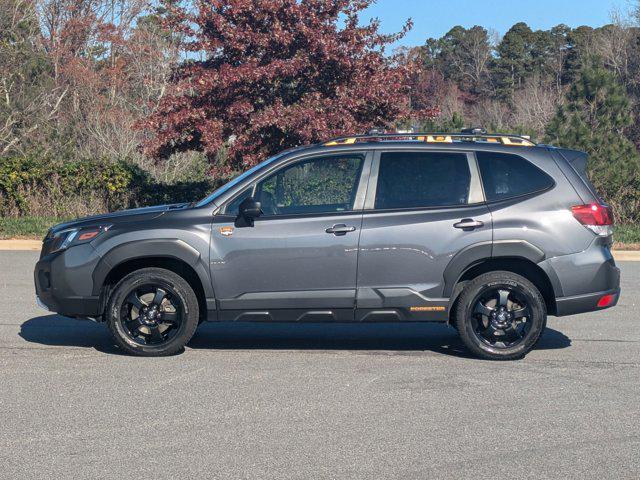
434, 18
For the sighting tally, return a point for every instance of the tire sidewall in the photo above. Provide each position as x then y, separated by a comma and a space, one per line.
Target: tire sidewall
512, 282
160, 278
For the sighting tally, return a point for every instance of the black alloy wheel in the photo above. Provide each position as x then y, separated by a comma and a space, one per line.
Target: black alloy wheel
500, 315
152, 312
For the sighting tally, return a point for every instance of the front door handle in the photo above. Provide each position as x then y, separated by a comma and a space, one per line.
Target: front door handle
340, 229
468, 224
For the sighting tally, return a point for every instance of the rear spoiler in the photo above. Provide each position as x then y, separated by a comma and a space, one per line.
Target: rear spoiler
578, 161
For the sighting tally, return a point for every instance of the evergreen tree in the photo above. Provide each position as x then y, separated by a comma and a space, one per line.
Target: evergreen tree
580, 41
462, 55
594, 119
514, 62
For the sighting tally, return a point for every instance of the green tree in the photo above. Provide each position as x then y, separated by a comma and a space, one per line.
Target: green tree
514, 62
594, 119
462, 55
580, 52
549, 53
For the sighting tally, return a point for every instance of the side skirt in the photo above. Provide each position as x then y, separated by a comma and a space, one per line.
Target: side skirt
433, 313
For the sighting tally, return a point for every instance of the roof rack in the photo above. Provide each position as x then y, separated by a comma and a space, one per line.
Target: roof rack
502, 139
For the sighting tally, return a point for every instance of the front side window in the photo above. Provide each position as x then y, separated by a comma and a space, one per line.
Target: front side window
320, 185
422, 179
233, 207
506, 176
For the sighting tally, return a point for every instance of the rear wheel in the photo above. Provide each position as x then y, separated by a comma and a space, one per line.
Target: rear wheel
500, 316
152, 312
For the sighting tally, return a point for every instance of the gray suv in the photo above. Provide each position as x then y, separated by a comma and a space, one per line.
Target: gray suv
487, 233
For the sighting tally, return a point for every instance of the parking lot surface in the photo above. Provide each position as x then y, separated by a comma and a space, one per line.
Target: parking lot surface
267, 401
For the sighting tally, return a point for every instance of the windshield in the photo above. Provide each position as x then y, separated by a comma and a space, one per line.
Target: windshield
229, 185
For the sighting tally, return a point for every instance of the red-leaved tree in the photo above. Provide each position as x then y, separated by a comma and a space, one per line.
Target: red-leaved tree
266, 75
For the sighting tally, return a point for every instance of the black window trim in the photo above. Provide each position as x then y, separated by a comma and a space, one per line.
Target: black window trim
361, 191
521, 196
223, 208
476, 190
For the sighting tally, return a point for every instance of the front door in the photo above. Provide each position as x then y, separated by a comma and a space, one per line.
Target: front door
422, 208
298, 261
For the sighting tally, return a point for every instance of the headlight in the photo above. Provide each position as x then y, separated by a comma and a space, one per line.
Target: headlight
76, 236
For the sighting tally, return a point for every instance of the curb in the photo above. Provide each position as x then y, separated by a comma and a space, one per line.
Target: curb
626, 255
36, 245
19, 244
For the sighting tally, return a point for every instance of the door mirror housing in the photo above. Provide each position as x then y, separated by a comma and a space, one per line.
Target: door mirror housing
250, 209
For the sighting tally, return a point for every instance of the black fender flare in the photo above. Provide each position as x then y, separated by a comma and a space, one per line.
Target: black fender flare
474, 254
153, 248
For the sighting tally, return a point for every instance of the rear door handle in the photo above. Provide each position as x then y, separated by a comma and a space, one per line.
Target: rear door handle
340, 229
468, 224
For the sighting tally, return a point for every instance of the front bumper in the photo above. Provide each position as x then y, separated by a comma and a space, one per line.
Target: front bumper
64, 282
41, 304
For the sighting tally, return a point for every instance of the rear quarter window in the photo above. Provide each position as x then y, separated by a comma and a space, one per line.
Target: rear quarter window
507, 176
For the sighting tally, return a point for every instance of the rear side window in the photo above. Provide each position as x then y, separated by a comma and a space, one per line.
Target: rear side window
422, 179
507, 176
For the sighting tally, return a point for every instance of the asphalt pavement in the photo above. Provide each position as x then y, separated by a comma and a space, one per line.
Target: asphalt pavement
264, 401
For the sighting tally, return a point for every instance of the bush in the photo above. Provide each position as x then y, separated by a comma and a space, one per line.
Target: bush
39, 186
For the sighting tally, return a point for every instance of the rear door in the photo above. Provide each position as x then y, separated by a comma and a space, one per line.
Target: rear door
422, 208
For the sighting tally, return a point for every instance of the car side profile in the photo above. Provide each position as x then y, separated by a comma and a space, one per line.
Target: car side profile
488, 233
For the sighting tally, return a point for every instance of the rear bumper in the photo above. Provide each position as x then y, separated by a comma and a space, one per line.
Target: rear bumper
584, 303
581, 279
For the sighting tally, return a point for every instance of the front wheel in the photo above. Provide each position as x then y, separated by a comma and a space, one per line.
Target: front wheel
152, 312
500, 316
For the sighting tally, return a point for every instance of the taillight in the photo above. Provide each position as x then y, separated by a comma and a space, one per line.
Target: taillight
597, 218
606, 301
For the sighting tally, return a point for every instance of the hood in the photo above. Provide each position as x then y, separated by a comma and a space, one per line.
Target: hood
122, 216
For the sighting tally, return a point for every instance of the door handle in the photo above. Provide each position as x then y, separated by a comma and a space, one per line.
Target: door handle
468, 224
340, 229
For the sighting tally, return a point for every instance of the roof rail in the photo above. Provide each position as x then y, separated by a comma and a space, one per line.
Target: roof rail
503, 139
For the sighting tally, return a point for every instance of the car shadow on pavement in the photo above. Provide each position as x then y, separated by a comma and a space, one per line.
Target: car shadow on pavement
55, 330
59, 331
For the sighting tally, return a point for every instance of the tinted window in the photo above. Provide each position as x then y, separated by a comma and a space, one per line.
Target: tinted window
228, 186
422, 179
233, 207
321, 185
507, 176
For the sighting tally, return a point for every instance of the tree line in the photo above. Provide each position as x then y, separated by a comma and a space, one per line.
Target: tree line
189, 90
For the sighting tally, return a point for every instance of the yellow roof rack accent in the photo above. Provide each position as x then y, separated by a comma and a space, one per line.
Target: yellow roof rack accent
517, 141
439, 139
503, 139
341, 141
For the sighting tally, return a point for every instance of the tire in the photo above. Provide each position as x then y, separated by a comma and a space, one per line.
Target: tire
500, 316
152, 312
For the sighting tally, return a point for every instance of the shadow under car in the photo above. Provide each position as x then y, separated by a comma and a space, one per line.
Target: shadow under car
55, 330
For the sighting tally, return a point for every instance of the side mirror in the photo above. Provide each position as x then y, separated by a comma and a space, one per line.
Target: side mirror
250, 209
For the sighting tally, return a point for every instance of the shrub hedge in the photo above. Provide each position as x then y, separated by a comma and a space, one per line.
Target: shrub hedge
40, 186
